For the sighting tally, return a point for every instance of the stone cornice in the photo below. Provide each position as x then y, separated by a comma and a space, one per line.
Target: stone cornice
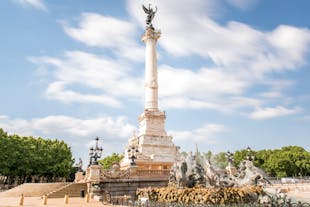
151, 34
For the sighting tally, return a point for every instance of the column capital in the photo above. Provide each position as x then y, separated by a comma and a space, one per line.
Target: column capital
151, 34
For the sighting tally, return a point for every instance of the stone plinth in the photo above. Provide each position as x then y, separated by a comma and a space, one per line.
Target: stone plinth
154, 152
79, 177
152, 123
94, 173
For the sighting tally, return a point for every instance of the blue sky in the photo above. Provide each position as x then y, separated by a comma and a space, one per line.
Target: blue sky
232, 73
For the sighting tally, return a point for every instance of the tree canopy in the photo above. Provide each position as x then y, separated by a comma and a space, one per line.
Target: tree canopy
30, 159
285, 162
109, 160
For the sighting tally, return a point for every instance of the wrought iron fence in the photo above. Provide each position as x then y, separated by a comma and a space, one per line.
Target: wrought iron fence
290, 180
127, 201
158, 204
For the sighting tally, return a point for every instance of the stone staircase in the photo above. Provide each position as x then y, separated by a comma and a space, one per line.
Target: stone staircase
72, 189
33, 189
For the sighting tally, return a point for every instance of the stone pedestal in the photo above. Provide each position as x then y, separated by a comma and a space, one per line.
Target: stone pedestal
94, 173
79, 177
93, 180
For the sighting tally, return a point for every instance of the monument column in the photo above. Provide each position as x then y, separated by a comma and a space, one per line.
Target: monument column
156, 150
150, 38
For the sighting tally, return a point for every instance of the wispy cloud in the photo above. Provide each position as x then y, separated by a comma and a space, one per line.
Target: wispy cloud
104, 80
66, 126
268, 112
205, 135
113, 131
107, 32
57, 90
243, 4
38, 4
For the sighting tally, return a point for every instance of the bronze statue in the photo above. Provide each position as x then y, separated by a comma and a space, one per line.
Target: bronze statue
150, 15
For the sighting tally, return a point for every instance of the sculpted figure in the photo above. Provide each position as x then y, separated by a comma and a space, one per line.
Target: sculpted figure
178, 172
250, 175
212, 177
173, 174
150, 15
197, 176
80, 165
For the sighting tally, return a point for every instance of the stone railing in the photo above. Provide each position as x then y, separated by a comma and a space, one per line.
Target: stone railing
151, 173
128, 174
100, 174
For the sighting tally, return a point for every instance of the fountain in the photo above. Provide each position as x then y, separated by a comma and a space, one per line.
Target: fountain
193, 180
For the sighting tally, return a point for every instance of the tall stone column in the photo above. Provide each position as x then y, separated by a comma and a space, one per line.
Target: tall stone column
155, 148
150, 38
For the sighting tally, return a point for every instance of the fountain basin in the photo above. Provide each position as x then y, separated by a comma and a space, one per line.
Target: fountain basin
202, 195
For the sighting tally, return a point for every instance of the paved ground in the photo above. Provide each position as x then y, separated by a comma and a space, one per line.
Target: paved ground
52, 202
301, 196
297, 191
80, 202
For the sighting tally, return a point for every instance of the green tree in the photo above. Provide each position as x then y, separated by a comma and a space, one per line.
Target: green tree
207, 155
288, 161
239, 155
109, 160
24, 159
220, 160
261, 157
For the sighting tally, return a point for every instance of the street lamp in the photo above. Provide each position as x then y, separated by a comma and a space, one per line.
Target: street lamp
95, 153
132, 152
249, 155
230, 157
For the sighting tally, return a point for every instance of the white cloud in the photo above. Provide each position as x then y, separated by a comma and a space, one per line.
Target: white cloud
66, 126
205, 135
243, 4
222, 104
105, 80
57, 90
3, 117
199, 83
38, 4
108, 32
268, 112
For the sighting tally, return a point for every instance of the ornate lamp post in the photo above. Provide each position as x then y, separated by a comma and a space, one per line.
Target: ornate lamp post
249, 155
95, 153
230, 157
132, 152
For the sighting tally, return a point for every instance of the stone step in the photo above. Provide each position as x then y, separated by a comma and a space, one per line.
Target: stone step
73, 190
32, 189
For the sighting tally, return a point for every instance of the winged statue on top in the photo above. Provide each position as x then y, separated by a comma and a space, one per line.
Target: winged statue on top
150, 15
